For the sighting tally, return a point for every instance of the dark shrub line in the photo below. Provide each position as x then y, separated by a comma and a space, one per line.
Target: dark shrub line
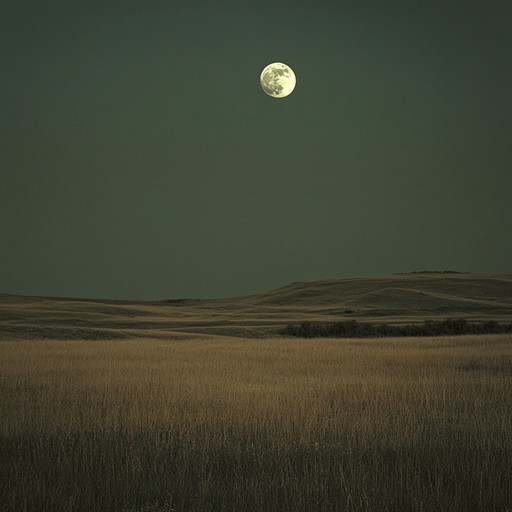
353, 329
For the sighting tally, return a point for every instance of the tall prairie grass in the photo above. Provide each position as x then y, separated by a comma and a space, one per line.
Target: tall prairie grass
224, 424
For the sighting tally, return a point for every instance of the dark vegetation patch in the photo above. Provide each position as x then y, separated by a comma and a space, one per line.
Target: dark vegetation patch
353, 329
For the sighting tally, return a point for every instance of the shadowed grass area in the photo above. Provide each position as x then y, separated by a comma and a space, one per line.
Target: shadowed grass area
257, 425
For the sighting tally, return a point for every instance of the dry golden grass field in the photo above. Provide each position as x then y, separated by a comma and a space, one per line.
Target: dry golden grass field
112, 406
233, 424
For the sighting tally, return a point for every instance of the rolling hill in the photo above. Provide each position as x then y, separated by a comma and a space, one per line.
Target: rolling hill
395, 299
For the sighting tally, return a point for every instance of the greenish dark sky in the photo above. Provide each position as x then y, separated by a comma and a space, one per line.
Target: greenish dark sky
140, 159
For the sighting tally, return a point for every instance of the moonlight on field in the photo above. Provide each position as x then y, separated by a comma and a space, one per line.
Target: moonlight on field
278, 80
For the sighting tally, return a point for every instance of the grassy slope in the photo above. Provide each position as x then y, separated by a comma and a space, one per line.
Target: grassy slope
396, 299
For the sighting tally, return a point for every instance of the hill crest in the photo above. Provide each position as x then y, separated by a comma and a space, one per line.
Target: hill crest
396, 299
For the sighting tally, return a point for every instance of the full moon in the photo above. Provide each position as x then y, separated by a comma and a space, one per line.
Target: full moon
278, 80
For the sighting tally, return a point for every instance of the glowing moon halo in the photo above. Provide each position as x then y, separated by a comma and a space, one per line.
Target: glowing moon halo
278, 80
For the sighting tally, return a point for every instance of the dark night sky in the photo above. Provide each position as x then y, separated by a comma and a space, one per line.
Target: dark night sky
140, 159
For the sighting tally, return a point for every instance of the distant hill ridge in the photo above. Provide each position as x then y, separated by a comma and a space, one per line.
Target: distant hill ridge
393, 299
431, 272
424, 291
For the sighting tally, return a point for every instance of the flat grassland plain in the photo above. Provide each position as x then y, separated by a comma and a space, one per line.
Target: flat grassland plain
190, 421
